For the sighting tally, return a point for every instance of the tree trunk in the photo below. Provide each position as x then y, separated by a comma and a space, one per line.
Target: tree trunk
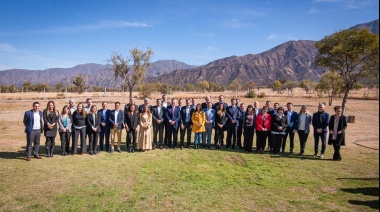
330, 99
344, 101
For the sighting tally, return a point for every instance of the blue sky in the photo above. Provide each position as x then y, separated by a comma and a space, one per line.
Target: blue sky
41, 34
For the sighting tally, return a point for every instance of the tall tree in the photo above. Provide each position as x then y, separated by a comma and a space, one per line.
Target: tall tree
203, 85
131, 77
290, 85
353, 54
80, 83
330, 83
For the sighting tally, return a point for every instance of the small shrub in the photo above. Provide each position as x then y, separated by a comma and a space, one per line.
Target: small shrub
262, 95
250, 94
60, 95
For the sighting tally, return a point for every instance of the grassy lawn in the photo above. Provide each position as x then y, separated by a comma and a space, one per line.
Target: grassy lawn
191, 180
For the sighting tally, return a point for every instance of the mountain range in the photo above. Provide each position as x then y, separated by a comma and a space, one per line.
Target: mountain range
293, 60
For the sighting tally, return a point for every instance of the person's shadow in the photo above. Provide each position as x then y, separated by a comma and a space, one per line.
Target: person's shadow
371, 191
19, 155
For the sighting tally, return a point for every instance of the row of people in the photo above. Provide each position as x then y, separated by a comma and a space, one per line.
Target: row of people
201, 119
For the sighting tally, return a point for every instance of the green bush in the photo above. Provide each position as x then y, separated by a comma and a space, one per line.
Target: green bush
250, 94
262, 95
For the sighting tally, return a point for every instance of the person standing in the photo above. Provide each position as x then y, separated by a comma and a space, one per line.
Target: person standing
93, 128
198, 118
337, 128
72, 106
209, 124
263, 126
131, 122
303, 129
165, 104
173, 116
146, 103
221, 101
292, 118
79, 126
131, 102
242, 112
104, 114
320, 123
89, 104
145, 132
207, 100
158, 124
50, 115
279, 126
220, 126
116, 121
33, 129
65, 126
233, 115
185, 124
249, 128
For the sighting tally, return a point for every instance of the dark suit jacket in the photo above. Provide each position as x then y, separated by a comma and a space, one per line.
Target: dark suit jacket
293, 122
231, 116
132, 121
216, 106
342, 125
51, 119
29, 121
104, 118
90, 123
277, 122
119, 120
158, 116
141, 108
176, 117
320, 121
183, 114
204, 105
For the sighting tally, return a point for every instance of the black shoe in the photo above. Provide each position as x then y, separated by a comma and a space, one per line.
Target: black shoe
95, 152
91, 153
291, 152
233, 147
119, 150
63, 154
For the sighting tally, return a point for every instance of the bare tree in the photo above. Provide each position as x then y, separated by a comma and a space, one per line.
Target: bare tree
80, 83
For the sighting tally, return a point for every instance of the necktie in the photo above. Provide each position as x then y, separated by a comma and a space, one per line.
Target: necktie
173, 112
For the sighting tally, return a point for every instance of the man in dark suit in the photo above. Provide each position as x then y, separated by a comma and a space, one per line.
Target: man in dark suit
320, 122
158, 113
104, 115
185, 123
204, 104
221, 101
33, 129
165, 104
173, 116
242, 112
131, 102
116, 121
146, 103
233, 115
292, 118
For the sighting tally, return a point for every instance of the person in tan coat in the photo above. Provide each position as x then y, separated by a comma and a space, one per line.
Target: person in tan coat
145, 133
198, 119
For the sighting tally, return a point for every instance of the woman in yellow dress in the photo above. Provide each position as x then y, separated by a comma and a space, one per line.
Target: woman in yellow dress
145, 133
198, 119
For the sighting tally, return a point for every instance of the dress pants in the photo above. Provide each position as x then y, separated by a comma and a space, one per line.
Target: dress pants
239, 134
82, 134
186, 130
50, 144
65, 141
248, 138
291, 140
33, 139
104, 135
261, 139
131, 139
316, 142
207, 135
93, 140
172, 136
219, 136
231, 134
336, 146
303, 138
277, 139
115, 132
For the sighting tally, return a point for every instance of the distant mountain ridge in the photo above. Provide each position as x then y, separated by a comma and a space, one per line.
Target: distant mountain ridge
97, 74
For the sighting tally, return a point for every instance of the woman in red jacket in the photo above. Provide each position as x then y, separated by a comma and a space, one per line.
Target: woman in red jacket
263, 122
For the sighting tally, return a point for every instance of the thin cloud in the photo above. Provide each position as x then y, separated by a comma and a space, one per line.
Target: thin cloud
82, 28
272, 36
347, 4
313, 10
237, 24
9, 48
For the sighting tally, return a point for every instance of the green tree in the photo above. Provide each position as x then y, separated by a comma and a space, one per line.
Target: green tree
80, 83
203, 85
290, 85
249, 85
308, 85
330, 83
276, 86
131, 78
40, 87
59, 87
27, 86
235, 85
353, 54
4, 88
146, 90
189, 87
12, 89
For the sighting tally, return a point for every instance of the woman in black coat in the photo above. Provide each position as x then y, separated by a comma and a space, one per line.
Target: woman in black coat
220, 125
337, 126
278, 127
50, 116
132, 121
93, 128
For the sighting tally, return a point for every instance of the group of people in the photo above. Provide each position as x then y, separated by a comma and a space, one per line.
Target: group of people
150, 127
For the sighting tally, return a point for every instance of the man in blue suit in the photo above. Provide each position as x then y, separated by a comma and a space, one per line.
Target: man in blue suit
172, 116
320, 123
33, 129
292, 118
116, 121
233, 115
104, 115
